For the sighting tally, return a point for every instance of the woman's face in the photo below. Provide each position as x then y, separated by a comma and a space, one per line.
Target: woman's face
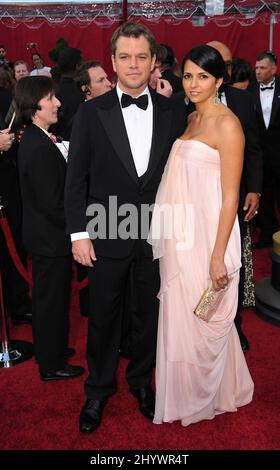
198, 84
37, 61
47, 115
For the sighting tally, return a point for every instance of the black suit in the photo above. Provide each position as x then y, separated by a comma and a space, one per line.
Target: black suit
42, 171
270, 144
240, 102
100, 153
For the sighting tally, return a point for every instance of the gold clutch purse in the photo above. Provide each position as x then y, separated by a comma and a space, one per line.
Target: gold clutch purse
209, 302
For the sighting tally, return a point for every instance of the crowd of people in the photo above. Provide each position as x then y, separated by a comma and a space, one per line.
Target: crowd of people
150, 181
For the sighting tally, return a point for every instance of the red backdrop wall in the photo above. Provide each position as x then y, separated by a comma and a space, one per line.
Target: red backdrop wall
93, 40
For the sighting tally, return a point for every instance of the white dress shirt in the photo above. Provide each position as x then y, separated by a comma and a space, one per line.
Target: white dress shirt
223, 98
266, 98
139, 127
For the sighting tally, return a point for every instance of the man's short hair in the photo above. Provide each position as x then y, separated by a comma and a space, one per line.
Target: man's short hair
83, 77
135, 30
268, 55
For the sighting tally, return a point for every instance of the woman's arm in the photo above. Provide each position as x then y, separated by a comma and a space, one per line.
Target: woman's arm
230, 145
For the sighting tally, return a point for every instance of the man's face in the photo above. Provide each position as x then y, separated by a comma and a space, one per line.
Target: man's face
20, 71
99, 83
265, 70
2, 53
47, 114
133, 64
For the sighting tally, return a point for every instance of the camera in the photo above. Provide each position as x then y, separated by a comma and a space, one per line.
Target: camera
31, 45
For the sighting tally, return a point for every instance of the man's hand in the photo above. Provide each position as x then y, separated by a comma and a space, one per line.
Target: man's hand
251, 205
164, 88
6, 139
83, 252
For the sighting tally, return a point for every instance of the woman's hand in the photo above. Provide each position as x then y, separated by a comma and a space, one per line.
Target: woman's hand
218, 274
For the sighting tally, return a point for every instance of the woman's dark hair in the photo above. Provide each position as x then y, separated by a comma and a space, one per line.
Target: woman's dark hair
208, 59
28, 92
241, 70
170, 58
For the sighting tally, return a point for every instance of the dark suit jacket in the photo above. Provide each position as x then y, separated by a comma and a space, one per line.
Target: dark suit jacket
100, 151
70, 97
240, 102
42, 170
269, 137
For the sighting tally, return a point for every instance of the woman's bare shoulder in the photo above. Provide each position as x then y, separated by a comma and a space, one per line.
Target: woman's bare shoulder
228, 120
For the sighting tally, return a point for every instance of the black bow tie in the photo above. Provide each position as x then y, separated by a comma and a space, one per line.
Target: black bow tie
271, 87
141, 102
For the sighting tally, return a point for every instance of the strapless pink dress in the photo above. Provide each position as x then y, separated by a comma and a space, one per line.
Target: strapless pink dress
200, 367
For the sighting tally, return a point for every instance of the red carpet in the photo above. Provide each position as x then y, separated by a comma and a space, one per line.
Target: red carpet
40, 415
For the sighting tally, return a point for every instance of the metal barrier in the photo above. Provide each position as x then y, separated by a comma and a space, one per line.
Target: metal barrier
12, 352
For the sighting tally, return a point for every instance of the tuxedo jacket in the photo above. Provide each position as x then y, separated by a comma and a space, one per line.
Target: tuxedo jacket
42, 171
269, 137
101, 165
240, 102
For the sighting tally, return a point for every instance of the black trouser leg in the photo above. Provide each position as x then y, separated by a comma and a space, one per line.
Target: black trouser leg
51, 296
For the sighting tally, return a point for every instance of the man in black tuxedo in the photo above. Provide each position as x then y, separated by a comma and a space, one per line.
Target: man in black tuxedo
119, 145
267, 96
42, 170
242, 105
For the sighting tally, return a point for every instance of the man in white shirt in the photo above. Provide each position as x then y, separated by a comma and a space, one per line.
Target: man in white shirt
267, 95
119, 146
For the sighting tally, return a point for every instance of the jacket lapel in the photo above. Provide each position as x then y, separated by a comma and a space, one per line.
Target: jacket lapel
112, 119
42, 136
275, 102
256, 90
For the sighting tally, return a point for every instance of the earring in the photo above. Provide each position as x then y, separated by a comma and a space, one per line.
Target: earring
216, 99
187, 101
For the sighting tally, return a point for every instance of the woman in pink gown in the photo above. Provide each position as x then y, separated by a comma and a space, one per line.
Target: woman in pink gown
200, 368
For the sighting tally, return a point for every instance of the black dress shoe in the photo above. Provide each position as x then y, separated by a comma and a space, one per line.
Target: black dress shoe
261, 244
146, 400
68, 353
68, 372
22, 319
91, 415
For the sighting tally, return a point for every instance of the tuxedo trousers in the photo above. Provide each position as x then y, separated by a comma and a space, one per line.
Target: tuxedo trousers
107, 282
50, 309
